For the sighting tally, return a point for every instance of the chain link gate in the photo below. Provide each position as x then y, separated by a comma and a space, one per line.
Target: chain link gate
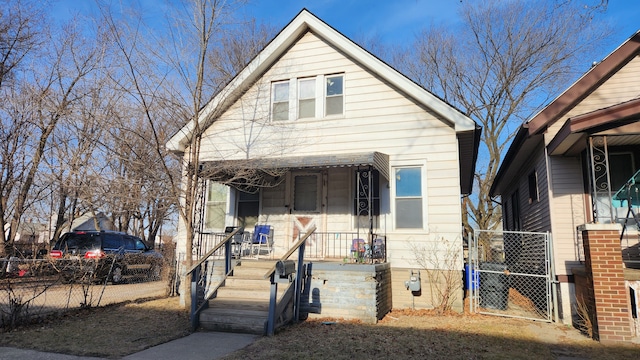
510, 273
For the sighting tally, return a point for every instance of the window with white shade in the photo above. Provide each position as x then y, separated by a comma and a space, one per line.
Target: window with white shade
280, 110
306, 98
408, 198
216, 206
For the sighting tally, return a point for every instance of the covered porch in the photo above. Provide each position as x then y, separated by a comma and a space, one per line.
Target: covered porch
344, 196
608, 142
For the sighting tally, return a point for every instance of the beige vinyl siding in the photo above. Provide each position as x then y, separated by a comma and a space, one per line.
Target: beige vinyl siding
622, 86
567, 210
376, 117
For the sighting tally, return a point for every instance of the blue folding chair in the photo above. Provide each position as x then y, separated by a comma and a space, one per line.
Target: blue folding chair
262, 238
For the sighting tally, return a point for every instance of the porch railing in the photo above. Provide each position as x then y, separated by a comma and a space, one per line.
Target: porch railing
340, 245
319, 245
277, 308
201, 287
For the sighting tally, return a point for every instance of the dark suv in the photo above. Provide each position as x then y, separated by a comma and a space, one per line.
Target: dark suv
106, 256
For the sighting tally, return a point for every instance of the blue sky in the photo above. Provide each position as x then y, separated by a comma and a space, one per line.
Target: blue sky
392, 21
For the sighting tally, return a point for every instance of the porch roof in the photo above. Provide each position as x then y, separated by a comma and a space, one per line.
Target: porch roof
619, 119
377, 160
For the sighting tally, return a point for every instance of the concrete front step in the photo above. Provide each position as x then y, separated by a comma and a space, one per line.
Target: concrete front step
242, 304
238, 320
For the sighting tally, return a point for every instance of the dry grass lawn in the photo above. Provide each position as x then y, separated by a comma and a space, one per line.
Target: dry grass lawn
400, 335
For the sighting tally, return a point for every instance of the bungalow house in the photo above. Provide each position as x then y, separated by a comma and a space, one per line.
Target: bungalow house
574, 163
317, 131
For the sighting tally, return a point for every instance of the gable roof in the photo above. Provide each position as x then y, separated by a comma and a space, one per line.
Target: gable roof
530, 133
303, 22
584, 86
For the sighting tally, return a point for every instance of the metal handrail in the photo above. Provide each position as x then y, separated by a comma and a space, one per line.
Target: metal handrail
300, 245
194, 271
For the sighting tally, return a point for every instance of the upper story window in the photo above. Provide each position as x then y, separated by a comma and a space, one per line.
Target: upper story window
408, 198
334, 101
280, 110
307, 98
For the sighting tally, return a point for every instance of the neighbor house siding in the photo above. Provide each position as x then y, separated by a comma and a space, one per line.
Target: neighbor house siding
622, 86
567, 210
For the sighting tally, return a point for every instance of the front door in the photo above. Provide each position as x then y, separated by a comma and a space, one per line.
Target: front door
307, 206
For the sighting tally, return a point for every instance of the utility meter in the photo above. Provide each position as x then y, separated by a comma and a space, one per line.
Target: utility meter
413, 283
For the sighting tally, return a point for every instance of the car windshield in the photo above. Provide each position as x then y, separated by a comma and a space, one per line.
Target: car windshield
79, 241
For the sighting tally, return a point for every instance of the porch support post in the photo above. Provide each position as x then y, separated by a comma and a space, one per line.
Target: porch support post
600, 180
605, 275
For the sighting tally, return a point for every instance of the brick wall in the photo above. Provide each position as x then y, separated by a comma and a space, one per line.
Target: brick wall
603, 261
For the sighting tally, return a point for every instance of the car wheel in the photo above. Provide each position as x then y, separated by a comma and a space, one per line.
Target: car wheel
116, 275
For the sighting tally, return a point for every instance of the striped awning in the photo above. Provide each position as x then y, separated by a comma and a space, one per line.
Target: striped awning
377, 160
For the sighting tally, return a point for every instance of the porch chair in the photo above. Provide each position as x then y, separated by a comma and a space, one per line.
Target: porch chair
262, 238
378, 248
236, 241
357, 249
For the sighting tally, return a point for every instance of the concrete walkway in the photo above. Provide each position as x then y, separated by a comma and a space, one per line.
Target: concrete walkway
197, 346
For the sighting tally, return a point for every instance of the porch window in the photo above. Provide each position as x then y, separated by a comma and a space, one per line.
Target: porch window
408, 198
306, 98
280, 110
305, 193
216, 206
533, 187
621, 169
248, 209
361, 193
334, 99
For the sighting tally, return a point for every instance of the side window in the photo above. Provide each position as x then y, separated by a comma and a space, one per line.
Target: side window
408, 198
533, 187
280, 97
129, 243
138, 244
334, 99
515, 211
111, 241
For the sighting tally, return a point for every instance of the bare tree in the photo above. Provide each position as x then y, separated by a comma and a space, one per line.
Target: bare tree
171, 79
55, 80
501, 64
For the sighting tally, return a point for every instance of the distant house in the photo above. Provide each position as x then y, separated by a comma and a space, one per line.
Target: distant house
336, 139
91, 222
571, 163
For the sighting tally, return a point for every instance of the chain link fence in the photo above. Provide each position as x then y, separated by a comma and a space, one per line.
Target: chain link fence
31, 289
510, 274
